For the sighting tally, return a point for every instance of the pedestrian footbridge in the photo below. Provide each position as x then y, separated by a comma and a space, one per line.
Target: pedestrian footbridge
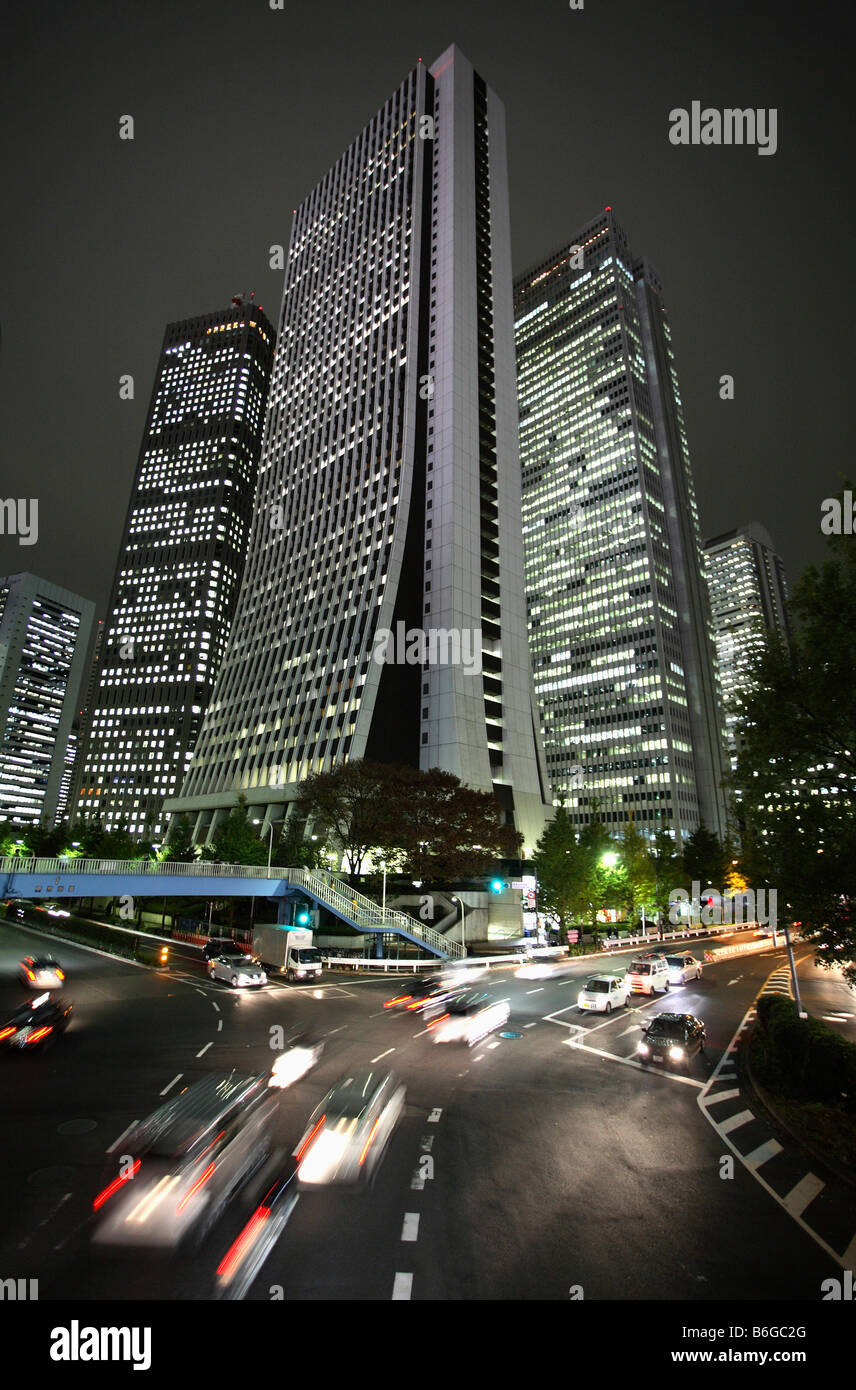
51, 880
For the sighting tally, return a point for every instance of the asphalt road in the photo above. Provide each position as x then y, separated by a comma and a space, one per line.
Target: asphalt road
555, 1161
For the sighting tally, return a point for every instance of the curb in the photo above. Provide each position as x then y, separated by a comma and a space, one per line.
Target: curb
766, 1102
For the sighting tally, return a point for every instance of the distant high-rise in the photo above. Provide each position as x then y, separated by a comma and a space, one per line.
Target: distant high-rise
180, 563
389, 492
618, 614
748, 598
44, 639
77, 739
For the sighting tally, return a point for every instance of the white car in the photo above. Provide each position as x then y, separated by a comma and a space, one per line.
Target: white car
347, 1134
683, 966
604, 993
648, 975
469, 1018
240, 971
294, 1063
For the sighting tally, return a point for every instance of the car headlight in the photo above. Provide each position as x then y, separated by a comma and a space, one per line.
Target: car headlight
676, 1053
643, 1048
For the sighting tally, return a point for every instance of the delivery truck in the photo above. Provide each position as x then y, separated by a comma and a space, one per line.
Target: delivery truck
288, 951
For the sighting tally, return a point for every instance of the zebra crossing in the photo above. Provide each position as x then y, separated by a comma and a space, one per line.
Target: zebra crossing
823, 1206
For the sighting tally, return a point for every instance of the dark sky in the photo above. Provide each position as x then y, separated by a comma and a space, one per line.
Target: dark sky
239, 110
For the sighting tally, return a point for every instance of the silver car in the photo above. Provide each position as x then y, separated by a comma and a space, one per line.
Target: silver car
240, 971
683, 966
347, 1134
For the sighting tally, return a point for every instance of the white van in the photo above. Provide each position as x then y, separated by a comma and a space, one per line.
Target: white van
648, 975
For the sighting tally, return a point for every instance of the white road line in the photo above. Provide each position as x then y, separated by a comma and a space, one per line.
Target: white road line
117, 1142
199, 991
804, 1193
434, 1116
632, 1029
402, 1287
735, 1121
336, 1030
383, 1054
204, 1049
722, 1095
539, 990
417, 1182
630, 1062
530, 1025
172, 1083
493, 1044
219, 1025
410, 1228
215, 1005
763, 1153
422, 1034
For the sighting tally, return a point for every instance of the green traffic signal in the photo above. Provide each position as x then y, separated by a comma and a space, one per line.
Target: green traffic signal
496, 885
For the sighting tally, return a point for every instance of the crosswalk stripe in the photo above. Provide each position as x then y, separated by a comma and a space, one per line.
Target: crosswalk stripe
735, 1121
763, 1153
723, 1095
804, 1193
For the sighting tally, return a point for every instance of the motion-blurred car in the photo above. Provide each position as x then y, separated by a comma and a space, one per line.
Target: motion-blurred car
41, 972
671, 1038
240, 971
37, 1024
245, 1257
189, 1157
604, 993
469, 1017
348, 1133
219, 946
298, 1057
683, 966
417, 994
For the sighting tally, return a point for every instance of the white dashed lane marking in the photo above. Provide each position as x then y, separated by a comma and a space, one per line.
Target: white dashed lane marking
383, 1054
172, 1083
402, 1287
434, 1116
763, 1153
410, 1228
215, 1005
203, 1050
117, 1142
722, 1095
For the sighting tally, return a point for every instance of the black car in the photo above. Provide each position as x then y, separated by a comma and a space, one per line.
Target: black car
37, 1024
219, 946
671, 1038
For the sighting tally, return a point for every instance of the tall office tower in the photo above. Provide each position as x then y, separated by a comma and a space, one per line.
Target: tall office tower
44, 639
180, 563
748, 597
618, 616
77, 739
389, 490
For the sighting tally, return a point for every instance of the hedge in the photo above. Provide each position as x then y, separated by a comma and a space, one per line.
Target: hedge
802, 1058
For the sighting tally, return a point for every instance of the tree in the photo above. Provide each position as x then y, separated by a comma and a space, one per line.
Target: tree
352, 804
235, 840
640, 869
705, 859
179, 847
797, 765
558, 868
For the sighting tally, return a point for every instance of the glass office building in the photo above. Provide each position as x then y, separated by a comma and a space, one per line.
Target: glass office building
44, 639
748, 597
180, 564
389, 489
618, 613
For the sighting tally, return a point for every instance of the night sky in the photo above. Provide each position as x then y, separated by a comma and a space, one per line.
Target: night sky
240, 110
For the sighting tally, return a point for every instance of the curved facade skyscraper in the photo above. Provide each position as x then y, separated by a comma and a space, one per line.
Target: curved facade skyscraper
382, 612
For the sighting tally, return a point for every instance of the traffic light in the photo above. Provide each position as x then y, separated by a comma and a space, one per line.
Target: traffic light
303, 917
496, 885
164, 955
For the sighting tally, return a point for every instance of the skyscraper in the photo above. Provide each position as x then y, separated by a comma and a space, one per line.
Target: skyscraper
180, 563
44, 639
389, 490
748, 596
618, 614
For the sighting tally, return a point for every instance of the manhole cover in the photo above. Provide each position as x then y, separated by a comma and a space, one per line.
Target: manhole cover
52, 1177
511, 1035
77, 1127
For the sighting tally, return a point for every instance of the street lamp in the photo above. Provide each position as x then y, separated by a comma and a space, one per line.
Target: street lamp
459, 901
610, 859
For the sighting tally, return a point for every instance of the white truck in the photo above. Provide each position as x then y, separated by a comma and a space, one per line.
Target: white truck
288, 950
